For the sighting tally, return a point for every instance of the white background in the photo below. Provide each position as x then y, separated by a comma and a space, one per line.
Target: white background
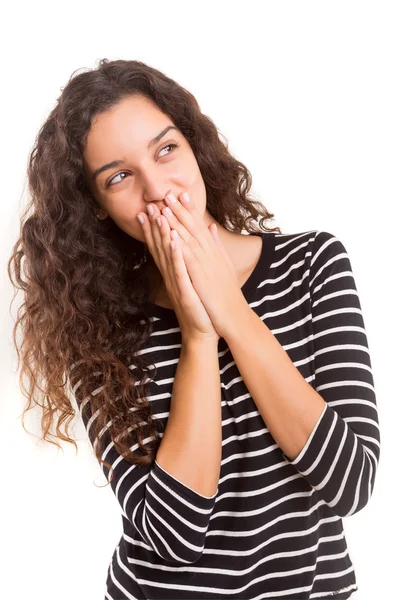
307, 95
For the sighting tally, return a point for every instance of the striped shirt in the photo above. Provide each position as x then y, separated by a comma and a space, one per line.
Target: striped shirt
274, 527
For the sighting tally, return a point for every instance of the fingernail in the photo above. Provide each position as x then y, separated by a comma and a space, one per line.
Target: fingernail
150, 210
171, 198
141, 219
185, 197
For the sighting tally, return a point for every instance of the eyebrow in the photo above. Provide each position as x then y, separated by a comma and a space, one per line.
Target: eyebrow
117, 163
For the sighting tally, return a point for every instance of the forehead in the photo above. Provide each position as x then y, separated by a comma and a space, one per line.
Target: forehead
125, 127
134, 109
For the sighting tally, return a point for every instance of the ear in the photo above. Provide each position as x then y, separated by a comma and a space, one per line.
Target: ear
101, 214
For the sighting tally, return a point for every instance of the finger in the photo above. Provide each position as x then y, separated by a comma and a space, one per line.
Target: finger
157, 243
197, 237
173, 246
165, 233
186, 223
180, 271
153, 243
147, 232
174, 223
174, 259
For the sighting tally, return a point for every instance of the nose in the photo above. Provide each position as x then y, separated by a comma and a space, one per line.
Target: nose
159, 201
160, 205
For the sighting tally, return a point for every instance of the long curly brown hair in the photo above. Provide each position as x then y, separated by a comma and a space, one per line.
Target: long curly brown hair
83, 317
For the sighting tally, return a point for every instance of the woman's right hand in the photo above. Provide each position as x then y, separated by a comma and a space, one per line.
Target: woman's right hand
195, 324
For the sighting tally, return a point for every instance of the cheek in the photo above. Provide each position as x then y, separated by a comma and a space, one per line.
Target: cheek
195, 183
187, 172
124, 214
201, 193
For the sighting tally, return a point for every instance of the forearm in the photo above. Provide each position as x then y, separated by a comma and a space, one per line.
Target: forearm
191, 447
289, 406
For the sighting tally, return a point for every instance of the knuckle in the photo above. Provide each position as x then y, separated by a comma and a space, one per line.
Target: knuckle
193, 244
158, 246
190, 223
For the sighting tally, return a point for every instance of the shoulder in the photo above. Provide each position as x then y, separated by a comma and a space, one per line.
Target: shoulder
313, 242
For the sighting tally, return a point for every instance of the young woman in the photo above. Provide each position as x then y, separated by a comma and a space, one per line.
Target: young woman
223, 377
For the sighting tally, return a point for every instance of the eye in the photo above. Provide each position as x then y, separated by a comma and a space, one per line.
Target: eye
169, 146
172, 145
117, 175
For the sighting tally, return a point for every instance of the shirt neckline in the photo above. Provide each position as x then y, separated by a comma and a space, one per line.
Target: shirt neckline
261, 268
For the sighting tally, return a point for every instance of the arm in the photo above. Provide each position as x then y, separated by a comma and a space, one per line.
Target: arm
329, 433
191, 447
171, 510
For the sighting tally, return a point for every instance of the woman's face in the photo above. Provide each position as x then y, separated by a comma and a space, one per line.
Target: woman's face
146, 171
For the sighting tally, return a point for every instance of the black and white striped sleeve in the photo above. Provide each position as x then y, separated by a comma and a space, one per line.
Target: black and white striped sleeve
171, 518
340, 457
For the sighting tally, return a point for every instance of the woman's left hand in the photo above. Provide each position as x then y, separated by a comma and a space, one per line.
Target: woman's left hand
209, 267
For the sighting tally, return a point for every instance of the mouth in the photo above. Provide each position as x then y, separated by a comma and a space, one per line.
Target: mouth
159, 206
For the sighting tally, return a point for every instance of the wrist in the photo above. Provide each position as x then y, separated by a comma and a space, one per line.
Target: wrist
200, 340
